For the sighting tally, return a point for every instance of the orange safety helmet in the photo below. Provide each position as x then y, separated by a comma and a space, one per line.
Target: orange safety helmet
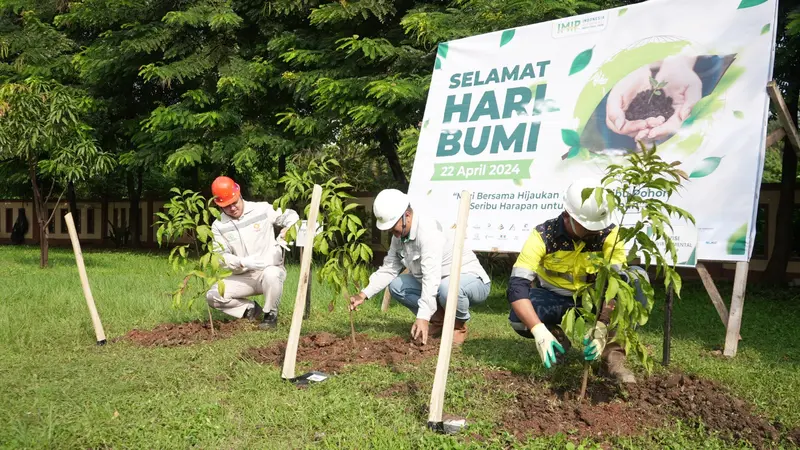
225, 191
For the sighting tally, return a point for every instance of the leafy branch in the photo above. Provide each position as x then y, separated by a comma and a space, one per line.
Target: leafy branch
188, 219
343, 241
612, 292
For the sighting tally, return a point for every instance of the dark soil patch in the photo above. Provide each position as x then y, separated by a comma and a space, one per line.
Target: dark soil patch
646, 104
177, 334
609, 411
330, 354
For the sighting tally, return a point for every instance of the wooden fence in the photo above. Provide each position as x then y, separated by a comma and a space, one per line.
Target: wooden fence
97, 222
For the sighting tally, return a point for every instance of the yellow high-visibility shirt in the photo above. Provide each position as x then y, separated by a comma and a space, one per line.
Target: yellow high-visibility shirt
561, 263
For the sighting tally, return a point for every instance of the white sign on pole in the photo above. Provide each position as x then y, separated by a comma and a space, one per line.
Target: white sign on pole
514, 116
684, 238
302, 230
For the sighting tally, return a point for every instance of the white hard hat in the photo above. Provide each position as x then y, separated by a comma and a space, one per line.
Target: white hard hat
389, 206
589, 214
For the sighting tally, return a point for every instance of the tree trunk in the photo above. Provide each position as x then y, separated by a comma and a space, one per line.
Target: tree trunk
388, 147
281, 170
73, 205
782, 248
41, 216
135, 196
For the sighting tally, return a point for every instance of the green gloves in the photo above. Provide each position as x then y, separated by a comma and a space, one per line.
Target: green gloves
593, 346
546, 344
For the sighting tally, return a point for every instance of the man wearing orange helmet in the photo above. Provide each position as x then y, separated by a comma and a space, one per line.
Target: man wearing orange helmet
246, 240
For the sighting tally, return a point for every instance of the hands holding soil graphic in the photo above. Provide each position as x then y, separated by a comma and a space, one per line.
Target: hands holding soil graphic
652, 102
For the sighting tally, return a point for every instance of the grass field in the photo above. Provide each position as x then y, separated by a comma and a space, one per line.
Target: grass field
62, 391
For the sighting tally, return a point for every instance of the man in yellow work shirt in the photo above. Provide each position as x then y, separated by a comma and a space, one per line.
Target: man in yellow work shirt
557, 256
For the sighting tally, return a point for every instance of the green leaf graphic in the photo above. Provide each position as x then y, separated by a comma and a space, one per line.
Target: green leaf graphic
429, 192
737, 243
738, 114
691, 143
442, 50
506, 37
581, 61
692, 258
705, 167
573, 152
765, 29
517, 182
570, 137
750, 3
438, 64
622, 11
425, 125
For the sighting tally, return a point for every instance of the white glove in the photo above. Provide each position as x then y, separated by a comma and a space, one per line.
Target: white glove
254, 263
593, 346
546, 344
282, 242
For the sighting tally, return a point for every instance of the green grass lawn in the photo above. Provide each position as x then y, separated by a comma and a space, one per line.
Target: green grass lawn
62, 391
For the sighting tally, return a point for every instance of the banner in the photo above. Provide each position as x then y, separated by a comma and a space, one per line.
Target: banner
513, 116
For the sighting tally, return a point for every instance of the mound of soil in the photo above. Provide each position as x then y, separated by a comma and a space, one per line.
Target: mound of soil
329, 353
646, 105
610, 411
176, 334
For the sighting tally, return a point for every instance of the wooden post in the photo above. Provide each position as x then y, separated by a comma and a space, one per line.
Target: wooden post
387, 296
446, 344
737, 305
87, 291
668, 325
711, 288
290, 357
785, 117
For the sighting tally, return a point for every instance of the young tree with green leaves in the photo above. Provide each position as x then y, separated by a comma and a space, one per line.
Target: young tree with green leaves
41, 126
586, 281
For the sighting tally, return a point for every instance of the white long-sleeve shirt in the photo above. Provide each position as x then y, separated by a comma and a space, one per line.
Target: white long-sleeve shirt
428, 254
253, 233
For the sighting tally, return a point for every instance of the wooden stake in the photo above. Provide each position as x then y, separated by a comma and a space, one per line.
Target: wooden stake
785, 117
387, 296
737, 305
290, 357
668, 326
446, 344
87, 291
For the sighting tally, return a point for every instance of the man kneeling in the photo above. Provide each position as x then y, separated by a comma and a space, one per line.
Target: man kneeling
557, 255
425, 248
245, 238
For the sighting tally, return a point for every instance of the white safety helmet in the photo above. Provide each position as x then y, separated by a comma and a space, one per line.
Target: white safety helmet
589, 214
389, 207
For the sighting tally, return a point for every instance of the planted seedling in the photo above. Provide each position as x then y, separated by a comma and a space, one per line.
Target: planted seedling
624, 189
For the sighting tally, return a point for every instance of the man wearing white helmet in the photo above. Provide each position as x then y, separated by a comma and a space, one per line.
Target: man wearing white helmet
425, 248
557, 256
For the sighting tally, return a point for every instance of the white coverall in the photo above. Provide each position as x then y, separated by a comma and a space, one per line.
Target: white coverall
253, 234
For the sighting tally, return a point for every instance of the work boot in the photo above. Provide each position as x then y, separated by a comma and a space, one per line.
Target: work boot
459, 332
562, 339
613, 363
270, 321
436, 323
253, 312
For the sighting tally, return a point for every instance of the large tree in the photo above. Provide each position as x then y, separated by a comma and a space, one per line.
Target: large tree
365, 66
787, 74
